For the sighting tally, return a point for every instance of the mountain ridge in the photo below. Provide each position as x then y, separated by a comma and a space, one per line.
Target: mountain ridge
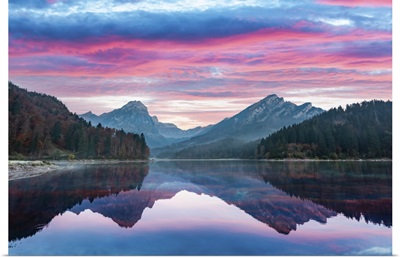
134, 117
254, 122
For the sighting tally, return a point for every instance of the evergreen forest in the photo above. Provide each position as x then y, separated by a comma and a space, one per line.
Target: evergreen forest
361, 131
41, 126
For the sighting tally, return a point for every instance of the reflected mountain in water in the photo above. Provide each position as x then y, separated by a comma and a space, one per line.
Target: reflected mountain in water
240, 184
354, 189
280, 194
34, 202
125, 208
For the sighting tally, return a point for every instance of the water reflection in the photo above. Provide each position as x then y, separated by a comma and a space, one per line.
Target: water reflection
281, 195
353, 188
34, 202
295, 192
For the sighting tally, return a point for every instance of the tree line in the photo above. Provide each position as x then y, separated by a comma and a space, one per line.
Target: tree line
40, 126
359, 131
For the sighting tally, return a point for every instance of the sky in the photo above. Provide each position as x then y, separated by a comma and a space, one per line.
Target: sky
196, 62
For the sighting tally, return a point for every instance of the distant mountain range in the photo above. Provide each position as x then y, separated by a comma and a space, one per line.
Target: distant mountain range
40, 126
134, 117
237, 137
256, 121
260, 119
170, 130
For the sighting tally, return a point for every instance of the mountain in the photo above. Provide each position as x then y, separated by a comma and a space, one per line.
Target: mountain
227, 148
89, 116
169, 130
134, 117
361, 131
262, 118
41, 126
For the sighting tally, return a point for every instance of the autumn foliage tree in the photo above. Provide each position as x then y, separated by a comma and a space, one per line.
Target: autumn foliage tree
41, 126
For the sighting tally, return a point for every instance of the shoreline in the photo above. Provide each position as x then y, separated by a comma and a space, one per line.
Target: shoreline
18, 169
278, 160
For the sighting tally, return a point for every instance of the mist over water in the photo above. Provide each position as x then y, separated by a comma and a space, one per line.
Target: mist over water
205, 208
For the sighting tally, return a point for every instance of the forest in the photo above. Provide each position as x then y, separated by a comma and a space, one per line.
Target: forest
228, 148
361, 131
41, 126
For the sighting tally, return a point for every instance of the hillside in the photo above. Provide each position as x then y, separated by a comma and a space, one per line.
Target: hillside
227, 148
361, 131
41, 126
232, 137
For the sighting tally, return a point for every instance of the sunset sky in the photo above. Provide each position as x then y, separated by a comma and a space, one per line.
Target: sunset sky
197, 62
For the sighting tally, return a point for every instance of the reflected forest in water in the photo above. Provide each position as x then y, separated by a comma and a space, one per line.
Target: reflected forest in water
280, 194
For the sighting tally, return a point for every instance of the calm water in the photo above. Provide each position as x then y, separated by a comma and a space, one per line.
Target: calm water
205, 208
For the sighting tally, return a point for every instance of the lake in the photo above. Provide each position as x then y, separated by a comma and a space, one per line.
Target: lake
205, 208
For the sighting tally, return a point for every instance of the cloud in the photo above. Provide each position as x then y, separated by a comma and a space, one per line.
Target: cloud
356, 3
376, 250
150, 25
336, 22
158, 6
373, 50
131, 25
213, 94
36, 4
169, 50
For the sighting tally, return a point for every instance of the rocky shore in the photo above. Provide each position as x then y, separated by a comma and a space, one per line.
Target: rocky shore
25, 168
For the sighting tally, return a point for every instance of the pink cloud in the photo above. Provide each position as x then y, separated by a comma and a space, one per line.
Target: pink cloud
290, 37
118, 57
355, 3
278, 61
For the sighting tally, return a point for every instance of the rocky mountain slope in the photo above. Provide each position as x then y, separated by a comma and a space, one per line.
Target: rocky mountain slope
256, 121
134, 117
